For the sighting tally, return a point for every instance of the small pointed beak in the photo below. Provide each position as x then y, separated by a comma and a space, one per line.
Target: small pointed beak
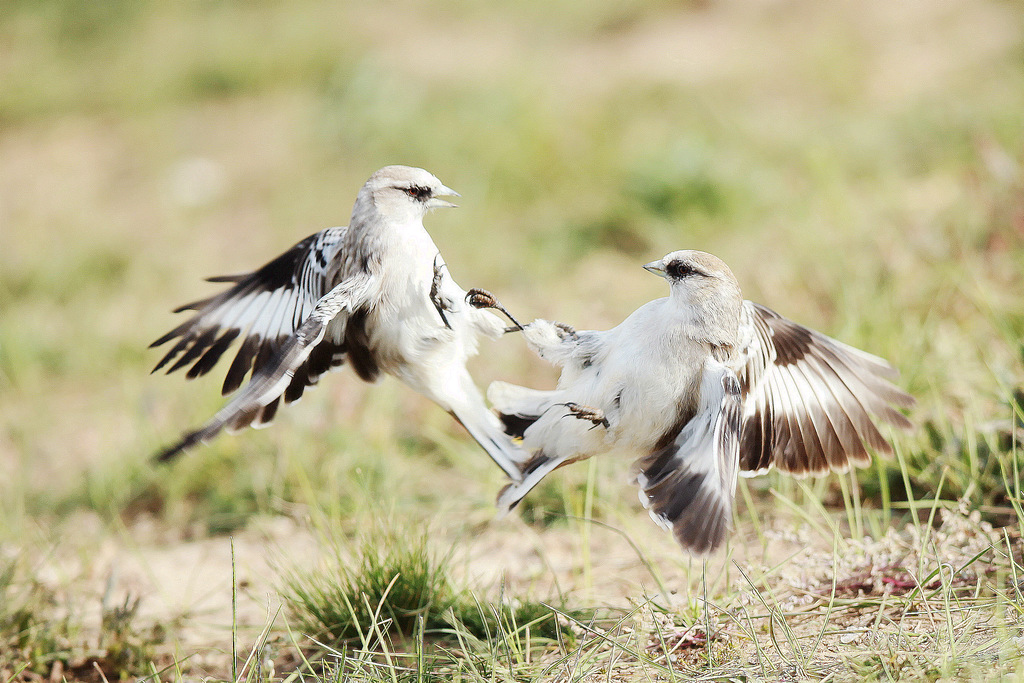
655, 267
436, 202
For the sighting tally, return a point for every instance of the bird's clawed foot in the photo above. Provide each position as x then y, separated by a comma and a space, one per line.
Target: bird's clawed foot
441, 303
481, 298
593, 415
565, 331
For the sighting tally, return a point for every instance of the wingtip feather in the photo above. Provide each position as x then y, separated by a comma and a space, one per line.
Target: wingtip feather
172, 452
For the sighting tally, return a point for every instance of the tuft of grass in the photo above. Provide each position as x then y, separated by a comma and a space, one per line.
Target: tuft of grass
396, 592
396, 577
40, 636
31, 639
544, 621
978, 461
125, 648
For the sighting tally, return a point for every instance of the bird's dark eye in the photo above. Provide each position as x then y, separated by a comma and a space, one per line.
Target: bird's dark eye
680, 269
417, 192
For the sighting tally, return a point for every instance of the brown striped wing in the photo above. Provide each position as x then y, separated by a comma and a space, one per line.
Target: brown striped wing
811, 404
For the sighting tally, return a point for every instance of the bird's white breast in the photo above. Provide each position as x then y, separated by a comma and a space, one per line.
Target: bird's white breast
406, 332
649, 366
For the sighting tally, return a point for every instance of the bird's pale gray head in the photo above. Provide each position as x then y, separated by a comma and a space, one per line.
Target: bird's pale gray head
702, 281
692, 268
404, 192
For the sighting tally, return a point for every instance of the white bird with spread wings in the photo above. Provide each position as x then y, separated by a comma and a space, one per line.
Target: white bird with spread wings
376, 295
700, 385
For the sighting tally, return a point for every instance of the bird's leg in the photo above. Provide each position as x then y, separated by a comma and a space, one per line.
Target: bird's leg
593, 415
533, 471
481, 298
441, 303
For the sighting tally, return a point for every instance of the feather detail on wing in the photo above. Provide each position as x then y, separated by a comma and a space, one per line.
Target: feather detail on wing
263, 308
688, 486
810, 402
275, 376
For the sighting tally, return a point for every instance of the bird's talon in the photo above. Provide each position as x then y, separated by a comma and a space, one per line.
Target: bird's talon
593, 415
441, 303
481, 298
565, 331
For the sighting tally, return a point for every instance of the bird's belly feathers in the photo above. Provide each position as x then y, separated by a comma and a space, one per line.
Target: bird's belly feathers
409, 338
646, 401
643, 388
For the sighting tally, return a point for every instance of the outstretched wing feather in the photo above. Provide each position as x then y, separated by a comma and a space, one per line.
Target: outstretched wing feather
688, 486
262, 309
259, 399
811, 404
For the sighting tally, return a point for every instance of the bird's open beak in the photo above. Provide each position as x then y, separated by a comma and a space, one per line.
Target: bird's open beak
436, 202
655, 267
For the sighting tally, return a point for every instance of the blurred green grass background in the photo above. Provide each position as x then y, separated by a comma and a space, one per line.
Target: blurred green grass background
859, 166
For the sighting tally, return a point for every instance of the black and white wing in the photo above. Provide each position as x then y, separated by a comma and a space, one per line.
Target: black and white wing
264, 308
688, 486
810, 402
279, 372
